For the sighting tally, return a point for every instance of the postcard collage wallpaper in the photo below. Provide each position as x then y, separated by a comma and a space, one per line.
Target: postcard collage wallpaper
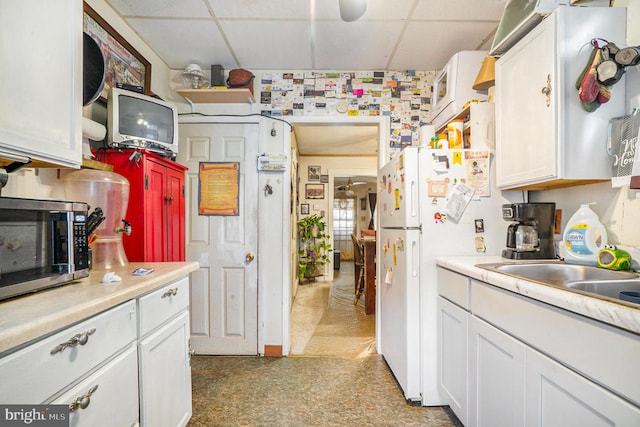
404, 96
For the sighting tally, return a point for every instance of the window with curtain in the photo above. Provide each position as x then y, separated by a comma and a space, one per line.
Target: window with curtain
344, 223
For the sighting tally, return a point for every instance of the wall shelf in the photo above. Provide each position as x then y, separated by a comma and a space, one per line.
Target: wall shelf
463, 115
217, 96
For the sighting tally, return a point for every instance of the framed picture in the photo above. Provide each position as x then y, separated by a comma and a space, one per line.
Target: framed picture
313, 173
314, 191
304, 209
123, 64
324, 178
363, 204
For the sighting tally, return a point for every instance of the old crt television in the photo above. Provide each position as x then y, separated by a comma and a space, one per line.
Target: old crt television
139, 121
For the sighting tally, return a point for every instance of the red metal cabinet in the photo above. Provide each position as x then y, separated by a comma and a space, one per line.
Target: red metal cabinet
156, 207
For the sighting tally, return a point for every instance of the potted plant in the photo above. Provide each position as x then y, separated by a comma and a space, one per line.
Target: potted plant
314, 249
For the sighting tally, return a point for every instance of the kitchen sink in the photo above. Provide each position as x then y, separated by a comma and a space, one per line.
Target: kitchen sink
606, 288
586, 279
558, 273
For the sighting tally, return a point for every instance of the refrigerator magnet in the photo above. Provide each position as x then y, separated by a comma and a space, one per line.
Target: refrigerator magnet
439, 217
437, 188
457, 157
440, 163
389, 276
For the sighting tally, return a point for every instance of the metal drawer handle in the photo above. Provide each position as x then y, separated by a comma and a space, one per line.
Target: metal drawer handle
82, 402
81, 339
170, 293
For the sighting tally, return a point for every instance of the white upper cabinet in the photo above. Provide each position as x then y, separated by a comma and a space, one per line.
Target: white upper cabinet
41, 84
544, 138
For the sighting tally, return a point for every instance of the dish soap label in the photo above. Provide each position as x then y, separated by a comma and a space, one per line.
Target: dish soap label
575, 238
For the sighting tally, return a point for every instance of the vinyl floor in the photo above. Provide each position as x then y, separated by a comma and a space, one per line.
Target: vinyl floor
333, 376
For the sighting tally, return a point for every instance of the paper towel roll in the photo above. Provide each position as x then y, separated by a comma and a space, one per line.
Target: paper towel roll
426, 133
93, 130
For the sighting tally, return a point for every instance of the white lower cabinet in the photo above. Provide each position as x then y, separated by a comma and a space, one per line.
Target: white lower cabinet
111, 393
507, 360
497, 377
558, 397
453, 326
126, 366
165, 375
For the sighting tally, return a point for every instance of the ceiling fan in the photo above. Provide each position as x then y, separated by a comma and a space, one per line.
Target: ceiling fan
348, 187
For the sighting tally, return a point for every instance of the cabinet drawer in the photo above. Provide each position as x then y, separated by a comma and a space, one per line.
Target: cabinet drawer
454, 287
115, 398
41, 370
162, 304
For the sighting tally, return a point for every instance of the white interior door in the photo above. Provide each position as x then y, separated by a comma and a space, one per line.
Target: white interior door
224, 291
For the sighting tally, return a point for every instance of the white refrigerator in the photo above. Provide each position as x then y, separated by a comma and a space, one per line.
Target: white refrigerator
432, 203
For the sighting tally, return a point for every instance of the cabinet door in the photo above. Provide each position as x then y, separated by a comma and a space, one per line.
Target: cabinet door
41, 84
526, 124
155, 202
453, 326
112, 393
559, 397
175, 214
496, 380
165, 375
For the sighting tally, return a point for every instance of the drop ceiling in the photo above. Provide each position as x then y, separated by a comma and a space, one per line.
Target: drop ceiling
309, 35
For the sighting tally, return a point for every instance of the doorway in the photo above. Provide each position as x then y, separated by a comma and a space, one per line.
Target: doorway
338, 288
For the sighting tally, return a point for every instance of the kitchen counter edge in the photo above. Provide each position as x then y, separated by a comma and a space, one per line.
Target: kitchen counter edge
616, 314
28, 317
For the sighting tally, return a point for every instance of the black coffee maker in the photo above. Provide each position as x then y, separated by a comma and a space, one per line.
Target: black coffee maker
530, 235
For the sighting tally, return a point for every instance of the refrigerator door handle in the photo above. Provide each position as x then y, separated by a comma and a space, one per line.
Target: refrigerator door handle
413, 188
415, 266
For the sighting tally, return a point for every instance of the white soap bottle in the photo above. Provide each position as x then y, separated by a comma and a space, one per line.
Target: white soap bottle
584, 236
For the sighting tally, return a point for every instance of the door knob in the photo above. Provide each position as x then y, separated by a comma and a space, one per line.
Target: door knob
250, 257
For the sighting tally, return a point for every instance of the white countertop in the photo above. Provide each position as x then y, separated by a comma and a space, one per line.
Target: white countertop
28, 317
617, 313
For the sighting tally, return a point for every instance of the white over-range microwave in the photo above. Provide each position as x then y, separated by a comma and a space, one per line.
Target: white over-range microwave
452, 87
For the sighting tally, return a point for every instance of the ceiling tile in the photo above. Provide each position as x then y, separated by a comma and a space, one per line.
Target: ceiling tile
422, 49
271, 9
269, 44
161, 8
355, 45
181, 42
462, 10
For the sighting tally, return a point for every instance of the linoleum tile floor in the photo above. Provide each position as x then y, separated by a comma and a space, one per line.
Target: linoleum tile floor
305, 390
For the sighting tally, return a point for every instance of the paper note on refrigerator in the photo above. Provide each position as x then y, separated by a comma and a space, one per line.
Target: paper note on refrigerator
388, 278
477, 172
458, 202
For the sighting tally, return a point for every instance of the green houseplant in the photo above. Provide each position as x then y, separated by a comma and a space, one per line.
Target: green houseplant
314, 247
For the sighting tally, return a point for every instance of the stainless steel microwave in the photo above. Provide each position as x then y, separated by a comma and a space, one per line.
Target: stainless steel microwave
43, 243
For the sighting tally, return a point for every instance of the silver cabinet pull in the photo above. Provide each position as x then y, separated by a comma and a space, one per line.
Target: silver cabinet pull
81, 339
83, 401
170, 292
